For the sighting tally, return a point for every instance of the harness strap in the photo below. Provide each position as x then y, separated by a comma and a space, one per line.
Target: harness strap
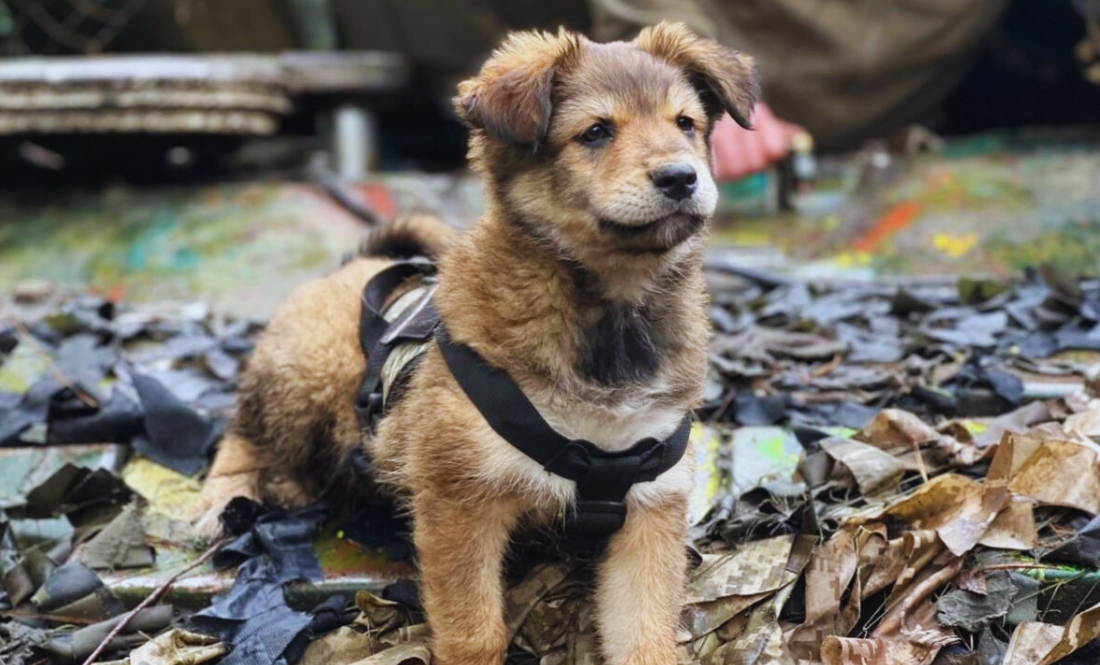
378, 336
603, 478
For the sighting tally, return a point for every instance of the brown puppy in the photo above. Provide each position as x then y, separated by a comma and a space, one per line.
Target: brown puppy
583, 281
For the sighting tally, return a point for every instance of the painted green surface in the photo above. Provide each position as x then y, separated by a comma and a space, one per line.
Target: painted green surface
21, 469
711, 480
761, 454
25, 365
240, 247
990, 204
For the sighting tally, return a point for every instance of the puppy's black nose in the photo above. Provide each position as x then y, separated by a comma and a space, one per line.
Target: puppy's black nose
676, 181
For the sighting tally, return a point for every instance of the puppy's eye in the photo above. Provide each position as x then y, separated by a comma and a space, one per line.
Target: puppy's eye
596, 133
685, 124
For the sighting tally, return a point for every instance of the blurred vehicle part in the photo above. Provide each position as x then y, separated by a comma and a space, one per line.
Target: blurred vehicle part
70, 109
231, 94
160, 94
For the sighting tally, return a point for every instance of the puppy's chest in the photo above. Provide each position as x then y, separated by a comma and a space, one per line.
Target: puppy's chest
613, 418
624, 345
627, 378
616, 428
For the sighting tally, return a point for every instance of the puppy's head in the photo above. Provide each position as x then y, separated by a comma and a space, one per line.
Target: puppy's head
603, 149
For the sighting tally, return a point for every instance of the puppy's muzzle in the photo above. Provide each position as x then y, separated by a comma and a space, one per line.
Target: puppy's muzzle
676, 181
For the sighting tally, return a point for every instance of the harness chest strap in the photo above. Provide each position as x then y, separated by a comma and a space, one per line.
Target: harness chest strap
603, 478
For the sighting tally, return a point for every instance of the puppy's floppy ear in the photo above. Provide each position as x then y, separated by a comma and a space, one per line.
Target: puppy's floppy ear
726, 79
510, 98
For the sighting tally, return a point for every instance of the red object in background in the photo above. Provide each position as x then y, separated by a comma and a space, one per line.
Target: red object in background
739, 152
378, 198
896, 218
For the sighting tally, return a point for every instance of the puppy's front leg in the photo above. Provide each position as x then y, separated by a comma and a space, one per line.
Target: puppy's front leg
640, 586
461, 549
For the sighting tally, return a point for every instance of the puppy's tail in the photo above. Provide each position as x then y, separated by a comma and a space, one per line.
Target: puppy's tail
417, 233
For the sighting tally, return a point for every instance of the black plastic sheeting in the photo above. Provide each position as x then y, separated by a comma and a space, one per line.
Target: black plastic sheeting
801, 354
254, 617
1083, 549
158, 425
174, 434
161, 382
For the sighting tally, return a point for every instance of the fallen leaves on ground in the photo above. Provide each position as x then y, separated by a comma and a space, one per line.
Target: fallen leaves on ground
937, 513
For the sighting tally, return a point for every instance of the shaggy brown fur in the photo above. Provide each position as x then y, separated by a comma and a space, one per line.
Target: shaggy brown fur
417, 233
583, 281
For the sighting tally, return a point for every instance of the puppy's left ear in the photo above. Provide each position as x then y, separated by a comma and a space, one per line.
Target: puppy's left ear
510, 98
725, 78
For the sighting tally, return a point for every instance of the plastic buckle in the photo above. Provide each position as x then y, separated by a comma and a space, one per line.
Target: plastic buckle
597, 518
369, 407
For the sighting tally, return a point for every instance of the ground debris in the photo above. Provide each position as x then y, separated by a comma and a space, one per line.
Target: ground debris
835, 354
88, 370
917, 503
972, 611
75, 373
176, 647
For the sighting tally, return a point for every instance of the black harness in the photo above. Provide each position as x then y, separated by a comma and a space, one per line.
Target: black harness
378, 337
603, 478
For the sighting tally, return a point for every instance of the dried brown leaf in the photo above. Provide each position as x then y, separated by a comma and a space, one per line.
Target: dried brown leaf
1086, 422
178, 647
704, 618
874, 470
1060, 473
916, 643
409, 653
985, 432
958, 509
1013, 528
829, 575
754, 568
522, 598
903, 559
1031, 642
894, 431
1044, 644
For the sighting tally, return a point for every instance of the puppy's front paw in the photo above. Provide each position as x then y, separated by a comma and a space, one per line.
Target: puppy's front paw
216, 494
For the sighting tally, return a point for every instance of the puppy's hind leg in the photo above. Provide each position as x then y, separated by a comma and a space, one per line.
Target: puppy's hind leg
640, 587
236, 471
